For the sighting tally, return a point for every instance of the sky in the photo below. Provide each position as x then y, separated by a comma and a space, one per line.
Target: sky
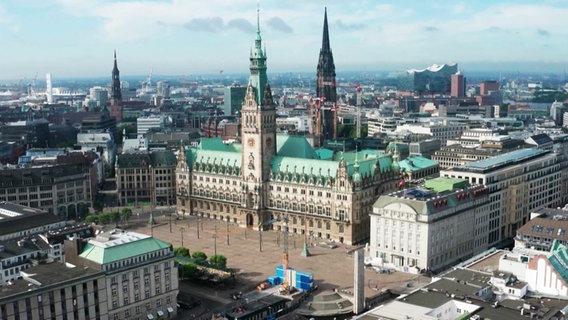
76, 38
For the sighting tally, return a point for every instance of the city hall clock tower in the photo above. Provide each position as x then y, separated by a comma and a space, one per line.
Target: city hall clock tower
258, 132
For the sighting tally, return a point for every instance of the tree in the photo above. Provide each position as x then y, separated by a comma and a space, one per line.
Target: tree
182, 252
125, 214
199, 256
92, 219
104, 218
115, 217
218, 261
188, 271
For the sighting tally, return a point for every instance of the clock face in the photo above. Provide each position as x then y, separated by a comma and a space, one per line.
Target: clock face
251, 142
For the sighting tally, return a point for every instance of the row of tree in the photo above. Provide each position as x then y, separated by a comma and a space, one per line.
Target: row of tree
198, 267
114, 216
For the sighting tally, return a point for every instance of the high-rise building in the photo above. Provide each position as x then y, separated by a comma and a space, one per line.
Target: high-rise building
486, 87
233, 99
326, 87
432, 80
457, 85
116, 94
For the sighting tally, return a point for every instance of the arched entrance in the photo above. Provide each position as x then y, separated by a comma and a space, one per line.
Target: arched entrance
250, 220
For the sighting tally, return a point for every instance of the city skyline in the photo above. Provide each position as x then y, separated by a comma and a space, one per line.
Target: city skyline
77, 38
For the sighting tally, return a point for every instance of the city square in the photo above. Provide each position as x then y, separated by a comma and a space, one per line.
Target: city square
332, 268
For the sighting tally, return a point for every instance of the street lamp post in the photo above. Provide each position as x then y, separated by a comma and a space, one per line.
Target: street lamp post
228, 233
181, 230
260, 236
197, 226
215, 239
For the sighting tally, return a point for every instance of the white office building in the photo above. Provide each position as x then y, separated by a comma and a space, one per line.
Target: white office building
429, 227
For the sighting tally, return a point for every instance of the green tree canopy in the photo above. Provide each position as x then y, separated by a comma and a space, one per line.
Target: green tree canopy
188, 271
182, 252
104, 218
126, 214
219, 261
92, 219
199, 256
115, 217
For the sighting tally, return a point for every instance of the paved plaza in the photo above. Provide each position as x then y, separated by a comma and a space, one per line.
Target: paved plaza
331, 268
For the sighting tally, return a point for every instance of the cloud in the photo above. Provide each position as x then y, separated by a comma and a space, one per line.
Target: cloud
348, 27
214, 24
542, 32
242, 25
494, 29
458, 8
278, 24
431, 29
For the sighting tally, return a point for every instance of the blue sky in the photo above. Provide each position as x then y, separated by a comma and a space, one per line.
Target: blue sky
75, 38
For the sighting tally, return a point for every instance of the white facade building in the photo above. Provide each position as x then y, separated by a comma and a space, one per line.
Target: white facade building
442, 131
143, 124
430, 227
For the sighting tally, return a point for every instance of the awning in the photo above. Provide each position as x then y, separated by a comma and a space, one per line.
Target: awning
160, 313
170, 309
149, 316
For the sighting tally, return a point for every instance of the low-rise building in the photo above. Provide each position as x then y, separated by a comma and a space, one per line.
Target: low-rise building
546, 226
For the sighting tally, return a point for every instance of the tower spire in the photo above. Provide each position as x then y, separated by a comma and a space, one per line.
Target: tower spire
325, 39
326, 86
258, 79
116, 94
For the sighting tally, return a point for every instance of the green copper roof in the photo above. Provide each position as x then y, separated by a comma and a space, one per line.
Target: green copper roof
294, 146
304, 166
324, 154
218, 145
558, 258
416, 163
134, 244
213, 151
445, 184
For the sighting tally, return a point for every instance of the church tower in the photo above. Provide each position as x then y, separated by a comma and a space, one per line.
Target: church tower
326, 89
116, 94
258, 129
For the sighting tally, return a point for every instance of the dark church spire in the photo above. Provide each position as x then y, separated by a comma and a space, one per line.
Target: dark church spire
325, 39
326, 86
116, 92
116, 95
